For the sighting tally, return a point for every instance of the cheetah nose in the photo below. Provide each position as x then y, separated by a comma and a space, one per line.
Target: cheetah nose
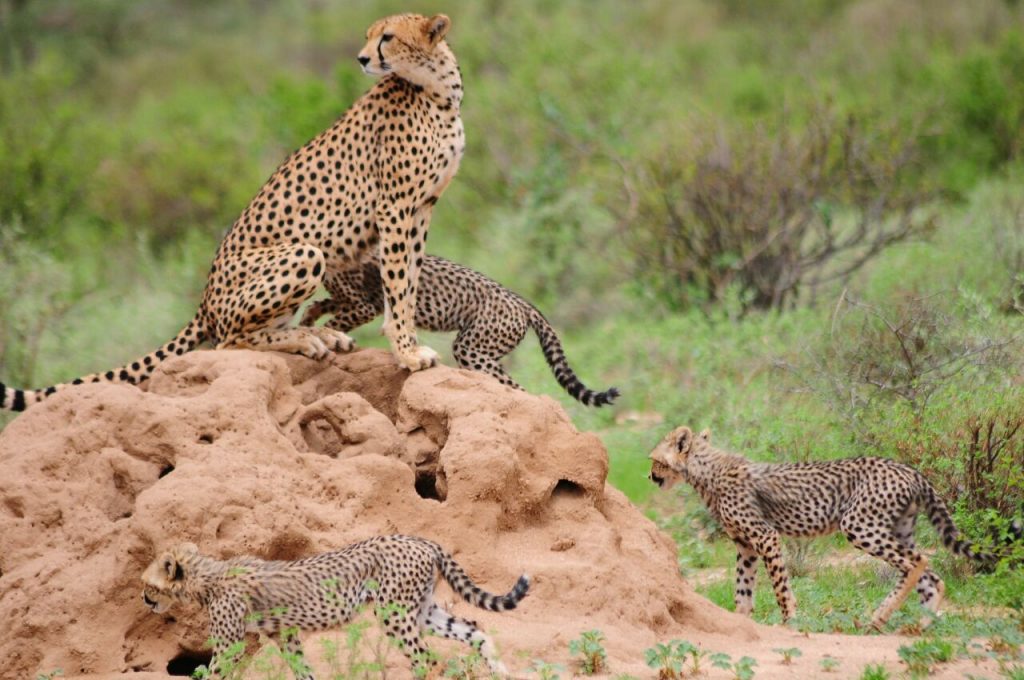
363, 60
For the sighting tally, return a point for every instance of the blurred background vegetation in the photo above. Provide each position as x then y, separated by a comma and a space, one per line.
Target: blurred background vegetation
798, 222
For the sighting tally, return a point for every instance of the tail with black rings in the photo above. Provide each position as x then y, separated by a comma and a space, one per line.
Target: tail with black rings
476, 596
13, 399
566, 377
938, 515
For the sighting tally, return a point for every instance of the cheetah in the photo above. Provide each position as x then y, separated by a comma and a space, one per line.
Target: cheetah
490, 319
873, 501
364, 188
279, 598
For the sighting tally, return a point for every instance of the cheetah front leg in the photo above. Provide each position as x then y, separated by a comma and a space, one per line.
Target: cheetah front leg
252, 296
746, 577
402, 238
766, 543
291, 646
227, 630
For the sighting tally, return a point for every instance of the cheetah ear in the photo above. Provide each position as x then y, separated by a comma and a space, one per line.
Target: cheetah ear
706, 435
436, 28
684, 440
188, 549
172, 568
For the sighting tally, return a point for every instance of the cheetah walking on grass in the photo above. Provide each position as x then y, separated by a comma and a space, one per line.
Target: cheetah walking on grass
873, 501
398, 573
363, 189
490, 319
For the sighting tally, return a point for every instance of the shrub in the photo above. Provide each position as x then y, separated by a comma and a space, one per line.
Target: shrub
773, 212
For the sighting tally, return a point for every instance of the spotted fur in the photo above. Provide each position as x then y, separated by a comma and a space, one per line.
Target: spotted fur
363, 189
873, 501
490, 319
247, 594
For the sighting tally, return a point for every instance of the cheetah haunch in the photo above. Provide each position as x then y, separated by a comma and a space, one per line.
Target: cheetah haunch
247, 594
490, 319
873, 501
364, 188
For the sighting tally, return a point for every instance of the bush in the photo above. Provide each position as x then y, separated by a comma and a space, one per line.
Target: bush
773, 211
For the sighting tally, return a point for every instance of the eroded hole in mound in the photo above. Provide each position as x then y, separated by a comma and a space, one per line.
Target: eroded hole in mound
426, 486
568, 489
206, 438
16, 506
289, 546
185, 663
166, 470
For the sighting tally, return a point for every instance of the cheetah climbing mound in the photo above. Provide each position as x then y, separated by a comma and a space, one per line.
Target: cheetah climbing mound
280, 456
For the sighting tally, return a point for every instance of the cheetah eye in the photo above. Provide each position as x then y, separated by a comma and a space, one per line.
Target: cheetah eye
386, 37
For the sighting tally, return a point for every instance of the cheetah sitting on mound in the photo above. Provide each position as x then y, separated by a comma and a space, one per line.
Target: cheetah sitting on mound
247, 594
364, 188
490, 319
873, 501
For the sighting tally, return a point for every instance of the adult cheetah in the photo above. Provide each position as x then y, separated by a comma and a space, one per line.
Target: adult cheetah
397, 573
873, 501
364, 188
490, 319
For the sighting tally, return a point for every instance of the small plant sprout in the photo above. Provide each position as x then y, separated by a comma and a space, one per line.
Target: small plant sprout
664, 659
741, 670
545, 670
875, 672
788, 654
829, 664
685, 648
590, 648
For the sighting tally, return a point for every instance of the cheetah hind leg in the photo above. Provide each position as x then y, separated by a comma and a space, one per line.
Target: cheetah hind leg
895, 598
455, 628
475, 350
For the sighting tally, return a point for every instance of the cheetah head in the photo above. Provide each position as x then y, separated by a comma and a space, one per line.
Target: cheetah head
670, 457
408, 45
164, 579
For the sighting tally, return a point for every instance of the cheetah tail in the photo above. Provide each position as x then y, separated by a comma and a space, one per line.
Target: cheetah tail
471, 593
12, 399
940, 518
555, 356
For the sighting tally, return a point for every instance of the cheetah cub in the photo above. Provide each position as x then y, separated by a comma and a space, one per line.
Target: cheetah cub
247, 594
490, 319
363, 189
873, 501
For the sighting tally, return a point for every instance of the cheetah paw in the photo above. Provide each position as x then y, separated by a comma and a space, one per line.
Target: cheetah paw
334, 340
314, 348
419, 358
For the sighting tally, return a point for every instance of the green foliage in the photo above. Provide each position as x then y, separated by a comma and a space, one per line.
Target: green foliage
743, 669
788, 654
52, 675
670, 658
828, 664
875, 672
547, 671
589, 647
922, 655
